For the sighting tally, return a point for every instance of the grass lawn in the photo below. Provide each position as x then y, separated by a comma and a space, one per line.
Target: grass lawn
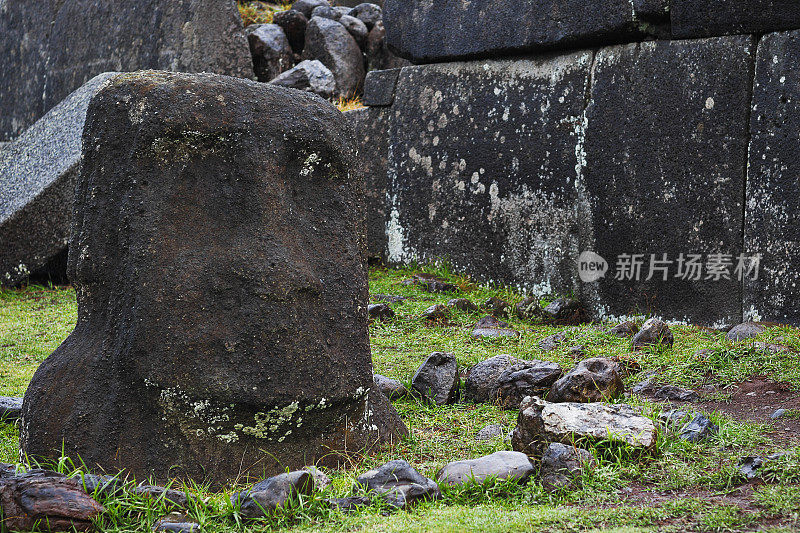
679, 487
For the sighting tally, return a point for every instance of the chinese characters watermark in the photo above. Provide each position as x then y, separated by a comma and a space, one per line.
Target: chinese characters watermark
687, 267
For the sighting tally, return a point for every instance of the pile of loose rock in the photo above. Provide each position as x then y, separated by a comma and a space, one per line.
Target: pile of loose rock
320, 48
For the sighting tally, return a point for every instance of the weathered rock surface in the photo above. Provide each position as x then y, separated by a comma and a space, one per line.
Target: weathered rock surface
592, 380
349, 504
438, 380
177, 523
270, 49
31, 498
463, 304
369, 14
654, 332
194, 265
565, 310
529, 308
379, 57
489, 432
434, 32
496, 306
436, 312
673, 419
623, 329
308, 75
331, 43
306, 7
551, 342
391, 388
269, 494
499, 465
540, 423
356, 28
744, 331
561, 464
38, 172
399, 484
379, 86
671, 392
172, 497
321, 479
50, 49
491, 327
695, 18
294, 25
700, 428
669, 92
326, 12
481, 382
526, 378
10, 408
772, 187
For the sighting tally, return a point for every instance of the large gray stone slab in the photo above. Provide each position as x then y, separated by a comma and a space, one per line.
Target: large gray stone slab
482, 168
49, 48
773, 191
441, 30
701, 18
38, 172
665, 150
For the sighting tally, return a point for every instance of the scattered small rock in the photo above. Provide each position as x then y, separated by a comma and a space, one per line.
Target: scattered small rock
308, 75
525, 378
96, 484
350, 503
10, 408
562, 464
326, 12
496, 306
270, 49
566, 311
330, 43
294, 25
177, 523
391, 388
491, 327
306, 7
399, 483
645, 385
489, 432
592, 380
552, 342
481, 381
778, 414
321, 479
653, 332
673, 418
529, 309
623, 329
435, 312
380, 311
356, 28
540, 423
437, 380
744, 331
771, 348
750, 466
430, 283
499, 465
271, 493
700, 428
369, 14
177, 498
463, 304
40, 496
671, 392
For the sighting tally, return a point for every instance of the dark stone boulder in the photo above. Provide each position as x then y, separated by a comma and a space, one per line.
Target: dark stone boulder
380, 311
481, 382
269, 494
671, 392
349, 504
436, 312
744, 331
38, 172
499, 465
623, 330
201, 162
308, 75
356, 28
31, 498
398, 483
270, 49
391, 388
428, 32
331, 43
306, 7
171, 497
697, 18
526, 378
490, 327
592, 380
379, 88
562, 464
496, 306
50, 49
551, 342
654, 332
438, 380
294, 25
369, 14
326, 12
529, 308
566, 311
698, 429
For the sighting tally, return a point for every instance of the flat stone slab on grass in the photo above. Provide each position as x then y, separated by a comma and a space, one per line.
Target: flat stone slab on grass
540, 423
38, 172
499, 465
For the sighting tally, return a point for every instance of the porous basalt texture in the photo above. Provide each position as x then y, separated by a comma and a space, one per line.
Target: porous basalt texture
222, 323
